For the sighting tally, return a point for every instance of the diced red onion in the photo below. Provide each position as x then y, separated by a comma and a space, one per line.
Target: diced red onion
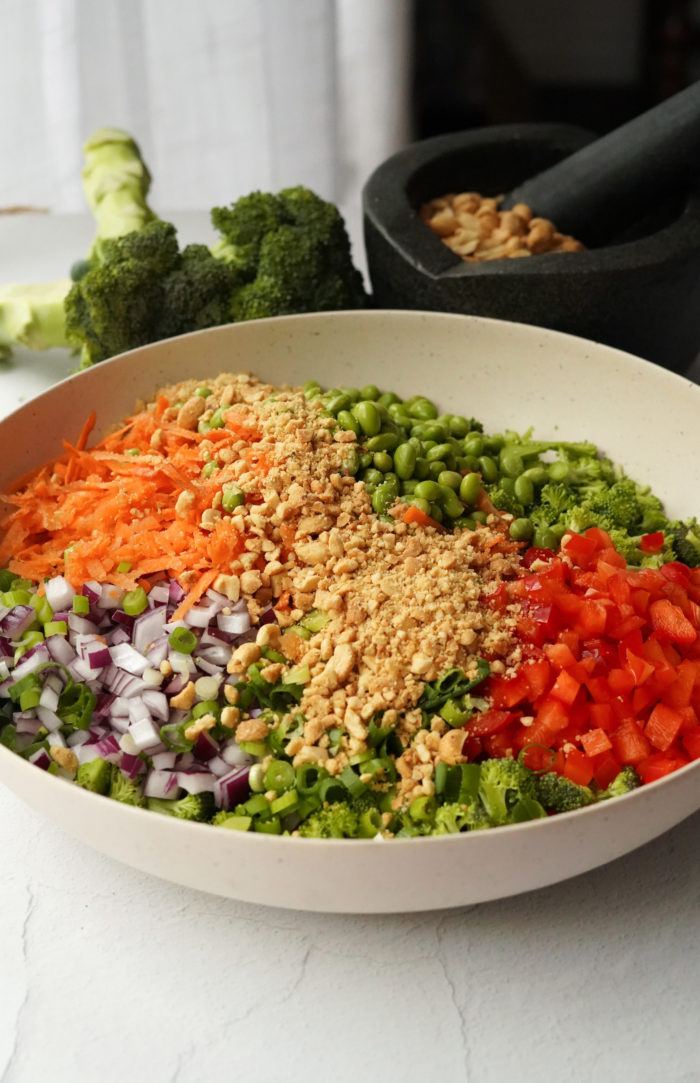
124, 656
175, 592
218, 766
60, 650
41, 759
175, 685
80, 625
205, 747
196, 781
49, 694
164, 761
233, 623
148, 627
32, 658
267, 616
162, 784
26, 722
77, 738
108, 748
234, 755
92, 591
159, 594
210, 668
158, 652
111, 597
157, 704
6, 648
124, 620
231, 789
59, 593
216, 656
131, 766
56, 740
48, 719
145, 734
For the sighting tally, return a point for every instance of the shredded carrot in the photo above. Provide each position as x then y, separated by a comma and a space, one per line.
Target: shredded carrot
415, 515
115, 504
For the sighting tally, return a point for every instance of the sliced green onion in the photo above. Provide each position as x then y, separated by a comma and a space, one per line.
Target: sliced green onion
135, 601
183, 640
81, 605
123, 567
55, 628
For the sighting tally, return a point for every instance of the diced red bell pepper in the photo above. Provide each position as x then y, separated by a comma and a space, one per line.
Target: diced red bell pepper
578, 767
652, 543
669, 622
629, 743
565, 688
595, 741
663, 726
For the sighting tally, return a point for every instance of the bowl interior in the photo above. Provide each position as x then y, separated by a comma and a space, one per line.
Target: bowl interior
509, 376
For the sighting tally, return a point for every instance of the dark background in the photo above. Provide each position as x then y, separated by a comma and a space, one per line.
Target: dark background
594, 63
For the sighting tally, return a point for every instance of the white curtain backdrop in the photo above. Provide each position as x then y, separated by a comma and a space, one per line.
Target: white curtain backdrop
224, 96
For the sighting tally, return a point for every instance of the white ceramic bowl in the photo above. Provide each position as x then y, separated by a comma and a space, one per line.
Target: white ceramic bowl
508, 375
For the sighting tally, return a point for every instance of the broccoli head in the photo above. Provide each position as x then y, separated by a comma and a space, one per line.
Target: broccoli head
144, 289
126, 790
625, 782
193, 806
95, 775
290, 253
502, 784
333, 821
556, 793
685, 542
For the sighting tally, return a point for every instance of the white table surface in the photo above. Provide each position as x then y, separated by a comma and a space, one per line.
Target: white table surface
109, 975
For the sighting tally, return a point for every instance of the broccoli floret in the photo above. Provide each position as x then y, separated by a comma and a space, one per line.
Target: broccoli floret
555, 501
193, 806
684, 539
502, 783
556, 793
627, 506
96, 775
290, 253
504, 500
625, 782
126, 790
116, 182
333, 821
144, 290
232, 821
453, 817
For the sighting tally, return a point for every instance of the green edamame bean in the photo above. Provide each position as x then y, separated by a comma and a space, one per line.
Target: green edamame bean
479, 516
436, 468
388, 398
397, 412
351, 462
366, 459
511, 462
428, 445
416, 443
347, 421
368, 416
370, 393
407, 487
544, 538
422, 468
386, 441
458, 426
436, 513
488, 468
384, 496
419, 502
521, 530
352, 393
405, 460
433, 430
372, 477
421, 408
468, 462
474, 445
558, 471
311, 385
524, 490
336, 401
440, 451
382, 461
450, 502
469, 488
464, 523
450, 478
507, 484
538, 475
428, 490
494, 443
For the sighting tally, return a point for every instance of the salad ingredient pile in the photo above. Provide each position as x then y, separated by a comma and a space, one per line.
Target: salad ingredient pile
290, 611
278, 254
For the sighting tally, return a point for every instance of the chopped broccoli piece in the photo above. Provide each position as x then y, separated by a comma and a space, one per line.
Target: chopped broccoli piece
502, 783
684, 539
96, 775
193, 806
504, 500
126, 790
233, 821
556, 793
625, 782
333, 821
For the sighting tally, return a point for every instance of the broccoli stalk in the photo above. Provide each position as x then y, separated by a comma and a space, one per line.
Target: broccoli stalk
116, 182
